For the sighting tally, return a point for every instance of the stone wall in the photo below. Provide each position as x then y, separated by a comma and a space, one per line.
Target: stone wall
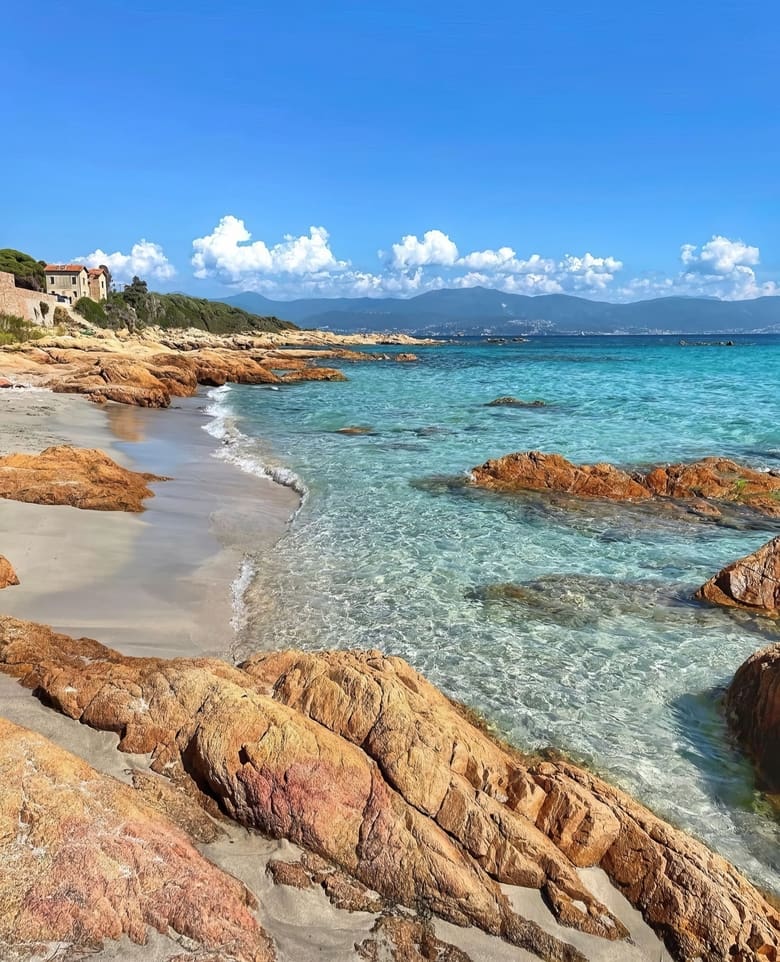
27, 304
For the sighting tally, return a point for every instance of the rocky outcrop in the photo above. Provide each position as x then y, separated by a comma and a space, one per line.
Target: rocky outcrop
84, 860
362, 762
700, 484
395, 938
145, 372
314, 374
535, 471
753, 711
467, 782
752, 582
274, 769
79, 477
312, 871
8, 576
507, 401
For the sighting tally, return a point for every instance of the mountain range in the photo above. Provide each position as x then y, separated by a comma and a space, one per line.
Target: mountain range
480, 310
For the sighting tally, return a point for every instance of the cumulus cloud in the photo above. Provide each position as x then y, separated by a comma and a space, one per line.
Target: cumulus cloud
720, 267
435, 248
228, 254
305, 265
146, 259
718, 256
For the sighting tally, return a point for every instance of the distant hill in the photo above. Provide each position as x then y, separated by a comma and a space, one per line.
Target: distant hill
479, 310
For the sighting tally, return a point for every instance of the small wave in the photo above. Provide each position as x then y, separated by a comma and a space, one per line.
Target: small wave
238, 589
241, 450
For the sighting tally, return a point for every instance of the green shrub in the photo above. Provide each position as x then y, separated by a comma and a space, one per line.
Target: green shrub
61, 316
91, 311
14, 330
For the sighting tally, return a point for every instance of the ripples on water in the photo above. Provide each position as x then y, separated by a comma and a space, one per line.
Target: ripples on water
601, 654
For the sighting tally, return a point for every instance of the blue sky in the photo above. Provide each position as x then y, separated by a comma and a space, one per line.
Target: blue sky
613, 151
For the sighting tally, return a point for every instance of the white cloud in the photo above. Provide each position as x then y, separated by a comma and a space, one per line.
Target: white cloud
719, 256
305, 265
435, 248
719, 268
228, 254
146, 259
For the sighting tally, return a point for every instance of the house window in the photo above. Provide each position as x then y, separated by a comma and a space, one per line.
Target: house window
73, 280
51, 280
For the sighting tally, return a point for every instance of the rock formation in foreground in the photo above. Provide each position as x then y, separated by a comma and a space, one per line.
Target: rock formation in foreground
753, 710
80, 477
362, 762
752, 582
84, 859
8, 576
700, 482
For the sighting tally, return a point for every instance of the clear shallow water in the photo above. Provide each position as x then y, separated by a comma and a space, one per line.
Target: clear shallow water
606, 658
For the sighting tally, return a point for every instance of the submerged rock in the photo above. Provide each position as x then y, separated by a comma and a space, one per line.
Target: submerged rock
753, 711
698, 483
314, 374
79, 477
752, 582
8, 576
83, 859
514, 402
355, 429
362, 762
581, 601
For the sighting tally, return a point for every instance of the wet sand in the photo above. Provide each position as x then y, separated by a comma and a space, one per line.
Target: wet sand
158, 583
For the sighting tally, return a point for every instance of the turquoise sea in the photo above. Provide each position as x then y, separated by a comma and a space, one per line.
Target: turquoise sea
605, 657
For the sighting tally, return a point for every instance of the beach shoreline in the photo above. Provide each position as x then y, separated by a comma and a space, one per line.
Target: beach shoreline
163, 584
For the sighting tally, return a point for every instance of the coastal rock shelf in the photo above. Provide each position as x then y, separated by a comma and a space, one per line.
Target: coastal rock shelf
8, 576
701, 485
751, 583
83, 859
145, 372
79, 477
358, 759
753, 710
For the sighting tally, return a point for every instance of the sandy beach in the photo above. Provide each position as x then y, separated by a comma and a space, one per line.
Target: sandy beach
156, 583
163, 583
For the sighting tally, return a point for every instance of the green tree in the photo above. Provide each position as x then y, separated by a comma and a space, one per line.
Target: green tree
28, 272
135, 292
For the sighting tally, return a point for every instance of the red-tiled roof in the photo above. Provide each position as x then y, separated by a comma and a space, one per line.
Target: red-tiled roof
64, 268
96, 271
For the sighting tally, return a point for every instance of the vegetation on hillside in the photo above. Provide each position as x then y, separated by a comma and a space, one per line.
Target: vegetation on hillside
137, 307
14, 330
28, 272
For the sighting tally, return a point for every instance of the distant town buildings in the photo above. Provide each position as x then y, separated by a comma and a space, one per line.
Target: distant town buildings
69, 282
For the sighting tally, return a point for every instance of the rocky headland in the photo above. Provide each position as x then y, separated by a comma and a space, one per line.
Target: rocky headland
700, 486
151, 368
